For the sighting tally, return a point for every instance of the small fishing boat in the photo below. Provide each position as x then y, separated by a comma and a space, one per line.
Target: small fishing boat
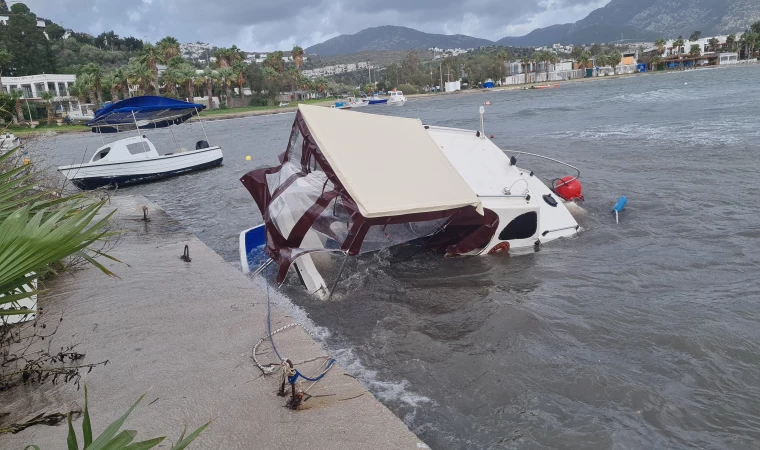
451, 189
341, 105
397, 98
376, 100
135, 159
357, 103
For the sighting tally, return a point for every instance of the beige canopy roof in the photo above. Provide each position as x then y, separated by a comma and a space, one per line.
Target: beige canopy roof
389, 165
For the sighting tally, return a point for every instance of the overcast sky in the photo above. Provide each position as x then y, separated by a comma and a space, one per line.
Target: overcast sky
257, 25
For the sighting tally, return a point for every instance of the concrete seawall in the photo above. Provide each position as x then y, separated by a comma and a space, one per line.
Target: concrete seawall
183, 332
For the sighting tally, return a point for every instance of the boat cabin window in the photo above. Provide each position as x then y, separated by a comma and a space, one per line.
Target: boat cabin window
101, 154
522, 227
137, 148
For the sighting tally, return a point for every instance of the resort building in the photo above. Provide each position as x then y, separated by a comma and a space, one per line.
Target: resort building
32, 86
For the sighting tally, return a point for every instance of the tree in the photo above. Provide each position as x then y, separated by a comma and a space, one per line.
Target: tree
660, 44
615, 58
222, 57
48, 97
240, 69
169, 79
678, 44
227, 78
274, 61
713, 43
151, 56
168, 47
212, 78
526, 62
655, 63
5, 60
139, 75
16, 96
29, 48
596, 50
584, 59
731, 42
695, 51
96, 88
297, 54
695, 36
577, 51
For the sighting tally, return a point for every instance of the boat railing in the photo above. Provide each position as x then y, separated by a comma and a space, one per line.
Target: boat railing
577, 170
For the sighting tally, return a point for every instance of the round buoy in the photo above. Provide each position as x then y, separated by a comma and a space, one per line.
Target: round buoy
492, 136
247, 158
501, 247
569, 188
488, 103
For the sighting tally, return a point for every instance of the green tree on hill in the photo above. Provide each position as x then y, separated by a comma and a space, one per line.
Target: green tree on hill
695, 36
29, 48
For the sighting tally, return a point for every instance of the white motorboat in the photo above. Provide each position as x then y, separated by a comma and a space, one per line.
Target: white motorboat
357, 103
9, 141
135, 159
397, 98
452, 188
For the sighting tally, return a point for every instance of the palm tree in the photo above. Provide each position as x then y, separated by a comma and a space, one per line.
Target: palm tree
678, 44
79, 90
169, 47
525, 61
211, 77
112, 81
240, 68
236, 55
695, 51
584, 59
731, 42
297, 54
321, 85
140, 75
713, 42
96, 86
660, 44
48, 97
151, 56
227, 78
16, 96
274, 61
656, 61
223, 57
169, 79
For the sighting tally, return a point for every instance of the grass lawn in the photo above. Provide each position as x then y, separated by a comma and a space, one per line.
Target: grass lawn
245, 109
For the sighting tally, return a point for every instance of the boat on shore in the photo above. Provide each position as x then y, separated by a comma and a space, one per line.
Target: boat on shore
136, 159
452, 189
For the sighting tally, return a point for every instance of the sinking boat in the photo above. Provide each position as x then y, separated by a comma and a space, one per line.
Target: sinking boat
452, 188
135, 159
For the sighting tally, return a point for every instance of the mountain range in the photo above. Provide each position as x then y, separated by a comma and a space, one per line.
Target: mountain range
630, 20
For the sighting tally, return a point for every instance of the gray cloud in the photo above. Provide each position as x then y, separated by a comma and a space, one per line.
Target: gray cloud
267, 25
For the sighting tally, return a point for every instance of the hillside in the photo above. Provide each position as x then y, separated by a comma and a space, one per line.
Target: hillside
392, 38
647, 20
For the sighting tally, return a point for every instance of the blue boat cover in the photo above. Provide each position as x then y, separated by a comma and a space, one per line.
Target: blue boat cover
147, 111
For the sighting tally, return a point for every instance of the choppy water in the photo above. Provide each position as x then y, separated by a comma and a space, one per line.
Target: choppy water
644, 334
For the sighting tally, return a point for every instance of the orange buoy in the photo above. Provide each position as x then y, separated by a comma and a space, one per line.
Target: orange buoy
569, 188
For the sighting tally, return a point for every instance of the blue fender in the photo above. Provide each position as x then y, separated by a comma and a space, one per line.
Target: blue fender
620, 205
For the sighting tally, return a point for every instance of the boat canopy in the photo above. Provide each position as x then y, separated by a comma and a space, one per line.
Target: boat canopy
354, 183
144, 112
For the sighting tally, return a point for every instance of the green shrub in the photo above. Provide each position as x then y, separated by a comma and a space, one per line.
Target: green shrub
408, 89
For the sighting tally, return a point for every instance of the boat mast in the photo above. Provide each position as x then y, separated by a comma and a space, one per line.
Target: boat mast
142, 141
199, 120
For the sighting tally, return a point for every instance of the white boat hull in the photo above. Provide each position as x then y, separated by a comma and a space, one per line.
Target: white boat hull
97, 174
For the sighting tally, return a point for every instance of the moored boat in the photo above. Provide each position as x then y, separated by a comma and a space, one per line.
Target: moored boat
397, 98
135, 159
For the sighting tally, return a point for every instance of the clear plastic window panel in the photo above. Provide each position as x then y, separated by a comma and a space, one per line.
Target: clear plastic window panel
385, 236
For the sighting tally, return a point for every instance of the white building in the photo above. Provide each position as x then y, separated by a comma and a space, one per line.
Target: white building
729, 58
703, 43
32, 86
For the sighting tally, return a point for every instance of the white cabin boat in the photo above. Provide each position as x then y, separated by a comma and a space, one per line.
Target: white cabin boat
134, 160
397, 98
9, 141
453, 188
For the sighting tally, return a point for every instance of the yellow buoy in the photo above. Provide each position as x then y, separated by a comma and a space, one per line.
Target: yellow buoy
247, 158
